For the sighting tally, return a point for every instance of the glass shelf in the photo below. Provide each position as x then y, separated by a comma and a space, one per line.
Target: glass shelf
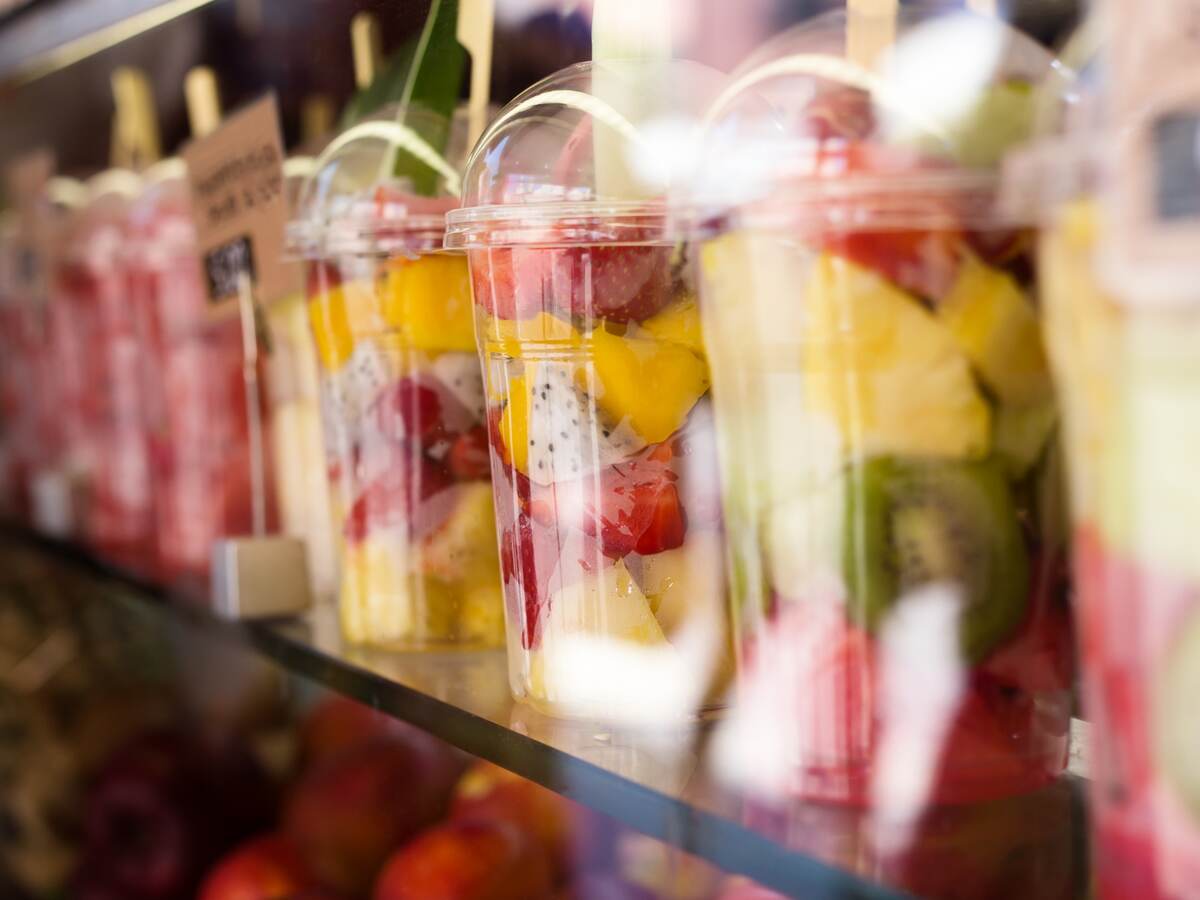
657, 783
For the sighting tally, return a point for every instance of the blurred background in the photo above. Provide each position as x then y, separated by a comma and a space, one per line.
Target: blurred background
51, 96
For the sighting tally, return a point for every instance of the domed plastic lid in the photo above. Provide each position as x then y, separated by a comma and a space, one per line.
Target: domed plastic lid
380, 188
872, 121
587, 155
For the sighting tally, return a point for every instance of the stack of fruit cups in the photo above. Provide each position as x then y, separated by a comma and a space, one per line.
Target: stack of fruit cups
401, 392
297, 452
199, 408
886, 420
1124, 353
117, 515
599, 420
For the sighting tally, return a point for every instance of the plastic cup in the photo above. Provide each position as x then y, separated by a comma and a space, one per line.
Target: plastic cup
402, 396
203, 410
597, 393
886, 422
1122, 346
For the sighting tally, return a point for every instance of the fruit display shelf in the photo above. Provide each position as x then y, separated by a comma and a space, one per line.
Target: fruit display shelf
658, 783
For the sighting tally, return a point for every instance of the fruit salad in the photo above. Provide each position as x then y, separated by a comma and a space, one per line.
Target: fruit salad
886, 425
1127, 373
202, 407
406, 446
599, 420
92, 282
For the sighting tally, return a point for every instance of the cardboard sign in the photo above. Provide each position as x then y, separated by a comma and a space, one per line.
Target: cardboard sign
1153, 197
239, 205
25, 180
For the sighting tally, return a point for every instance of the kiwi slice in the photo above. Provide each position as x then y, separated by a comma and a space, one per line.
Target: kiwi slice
916, 522
1176, 737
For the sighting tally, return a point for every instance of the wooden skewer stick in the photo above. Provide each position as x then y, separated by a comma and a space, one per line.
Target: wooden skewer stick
476, 32
870, 29
366, 42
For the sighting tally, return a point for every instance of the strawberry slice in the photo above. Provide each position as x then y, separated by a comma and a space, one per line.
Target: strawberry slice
392, 499
617, 283
518, 564
923, 260
468, 457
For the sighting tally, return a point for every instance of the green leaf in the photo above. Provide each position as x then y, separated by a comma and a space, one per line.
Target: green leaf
425, 73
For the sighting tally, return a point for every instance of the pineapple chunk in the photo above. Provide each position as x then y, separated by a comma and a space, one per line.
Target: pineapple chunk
429, 301
605, 605
463, 548
341, 315
481, 616
650, 384
886, 371
997, 328
679, 324
382, 603
687, 582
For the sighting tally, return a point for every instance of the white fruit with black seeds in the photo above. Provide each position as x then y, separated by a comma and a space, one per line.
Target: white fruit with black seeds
567, 435
357, 384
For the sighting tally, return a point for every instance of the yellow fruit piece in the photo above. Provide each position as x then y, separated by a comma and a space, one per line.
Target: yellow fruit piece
679, 324
540, 335
608, 604
650, 384
481, 616
514, 423
381, 603
889, 374
429, 301
997, 328
339, 317
687, 582
463, 548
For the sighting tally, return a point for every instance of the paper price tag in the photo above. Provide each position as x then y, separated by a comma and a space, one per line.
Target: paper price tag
1153, 197
239, 205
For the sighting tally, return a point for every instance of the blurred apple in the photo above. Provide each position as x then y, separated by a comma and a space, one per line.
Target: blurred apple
468, 860
336, 724
348, 814
162, 810
745, 889
665, 870
264, 868
575, 838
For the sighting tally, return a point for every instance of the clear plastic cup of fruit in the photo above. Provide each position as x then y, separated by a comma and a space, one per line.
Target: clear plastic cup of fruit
886, 419
1121, 336
117, 518
205, 417
401, 391
597, 395
297, 447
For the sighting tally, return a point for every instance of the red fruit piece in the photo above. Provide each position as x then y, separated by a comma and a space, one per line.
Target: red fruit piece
620, 284
265, 867
467, 860
347, 816
640, 510
392, 499
410, 411
322, 277
923, 259
468, 459
518, 564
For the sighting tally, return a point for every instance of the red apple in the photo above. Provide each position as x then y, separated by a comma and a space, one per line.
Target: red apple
264, 868
348, 814
467, 860
574, 837
338, 723
745, 889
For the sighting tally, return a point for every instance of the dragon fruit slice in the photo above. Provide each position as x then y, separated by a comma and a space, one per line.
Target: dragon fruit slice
567, 436
459, 374
355, 386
